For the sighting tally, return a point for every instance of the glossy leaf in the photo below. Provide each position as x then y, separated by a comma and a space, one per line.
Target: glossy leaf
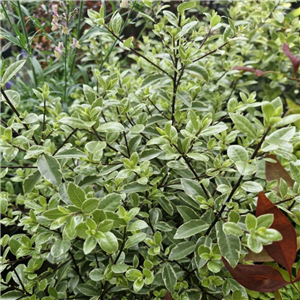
190, 228
12, 70
284, 251
50, 169
256, 277
229, 245
169, 277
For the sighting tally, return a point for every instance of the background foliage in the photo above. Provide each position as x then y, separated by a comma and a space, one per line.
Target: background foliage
132, 164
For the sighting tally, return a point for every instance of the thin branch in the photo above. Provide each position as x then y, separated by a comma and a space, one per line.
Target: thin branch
218, 215
65, 141
16, 112
139, 54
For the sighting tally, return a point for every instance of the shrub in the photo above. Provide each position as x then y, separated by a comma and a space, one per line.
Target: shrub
133, 181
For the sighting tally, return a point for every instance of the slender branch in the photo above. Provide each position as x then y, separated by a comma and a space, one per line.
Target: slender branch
20, 281
16, 112
76, 266
6, 125
65, 141
122, 246
18, 167
139, 54
158, 109
108, 145
218, 215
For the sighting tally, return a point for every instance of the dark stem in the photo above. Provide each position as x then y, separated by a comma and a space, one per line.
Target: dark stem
122, 246
16, 112
65, 141
218, 215
139, 54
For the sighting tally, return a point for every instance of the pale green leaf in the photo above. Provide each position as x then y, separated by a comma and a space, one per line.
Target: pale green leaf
244, 125
182, 250
169, 277
229, 245
50, 169
30, 181
12, 70
190, 228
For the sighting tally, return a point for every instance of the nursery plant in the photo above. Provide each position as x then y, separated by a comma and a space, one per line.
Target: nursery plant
159, 165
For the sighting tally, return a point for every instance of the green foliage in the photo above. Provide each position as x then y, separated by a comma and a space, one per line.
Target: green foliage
132, 165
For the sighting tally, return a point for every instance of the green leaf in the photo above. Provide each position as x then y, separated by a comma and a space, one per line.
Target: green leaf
111, 127
185, 6
244, 125
198, 72
254, 244
12, 70
69, 229
192, 188
252, 187
97, 274
116, 23
3, 205
53, 214
94, 146
76, 123
190, 228
211, 130
127, 42
287, 120
13, 96
70, 153
119, 268
89, 93
60, 247
237, 153
50, 169
76, 194
265, 220
278, 16
182, 250
229, 245
12, 295
89, 244
232, 228
251, 222
215, 20
169, 277
111, 202
245, 169
87, 289
138, 284
108, 242
135, 187
165, 203
135, 239
30, 181
187, 213
151, 79
10, 153
89, 205
133, 274
137, 225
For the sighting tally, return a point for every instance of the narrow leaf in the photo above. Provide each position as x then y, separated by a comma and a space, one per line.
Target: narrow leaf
11, 71
229, 245
244, 125
169, 277
190, 228
182, 250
